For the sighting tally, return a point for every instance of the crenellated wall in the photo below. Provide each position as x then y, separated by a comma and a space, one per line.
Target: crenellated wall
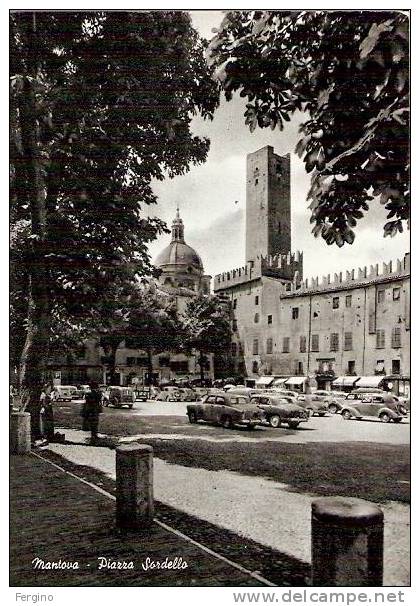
349, 278
284, 266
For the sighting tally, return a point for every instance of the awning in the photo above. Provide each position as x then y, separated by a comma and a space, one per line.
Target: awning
344, 381
295, 381
264, 381
369, 381
279, 382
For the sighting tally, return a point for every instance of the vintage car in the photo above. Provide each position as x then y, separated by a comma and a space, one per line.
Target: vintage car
313, 404
187, 394
334, 401
227, 410
280, 410
81, 390
169, 393
64, 393
384, 407
120, 396
280, 391
142, 394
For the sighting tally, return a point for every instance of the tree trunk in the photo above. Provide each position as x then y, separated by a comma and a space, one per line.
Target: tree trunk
150, 366
112, 365
35, 351
201, 361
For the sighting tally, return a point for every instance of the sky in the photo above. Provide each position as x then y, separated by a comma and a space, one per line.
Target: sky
212, 196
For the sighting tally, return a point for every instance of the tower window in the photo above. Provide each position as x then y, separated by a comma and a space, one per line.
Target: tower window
336, 302
256, 181
257, 300
295, 313
269, 319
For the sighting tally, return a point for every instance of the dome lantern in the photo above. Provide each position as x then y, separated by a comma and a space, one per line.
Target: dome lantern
178, 228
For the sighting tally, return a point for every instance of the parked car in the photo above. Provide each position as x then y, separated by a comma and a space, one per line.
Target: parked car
227, 410
284, 392
64, 393
104, 389
201, 392
313, 404
120, 396
169, 393
187, 394
81, 390
383, 407
280, 410
334, 401
142, 394
243, 391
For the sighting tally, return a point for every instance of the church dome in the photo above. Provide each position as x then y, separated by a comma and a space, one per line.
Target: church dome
178, 253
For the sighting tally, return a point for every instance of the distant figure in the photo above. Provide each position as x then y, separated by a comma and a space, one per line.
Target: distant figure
92, 407
47, 413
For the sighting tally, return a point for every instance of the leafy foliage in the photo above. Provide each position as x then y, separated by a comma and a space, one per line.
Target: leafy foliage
349, 73
138, 319
114, 94
207, 327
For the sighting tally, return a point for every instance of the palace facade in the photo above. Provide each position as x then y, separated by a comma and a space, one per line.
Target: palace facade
330, 329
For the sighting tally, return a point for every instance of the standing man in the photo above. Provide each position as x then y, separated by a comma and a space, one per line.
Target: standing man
92, 407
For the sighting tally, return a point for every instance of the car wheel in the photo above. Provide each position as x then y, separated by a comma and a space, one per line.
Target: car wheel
130, 406
227, 422
192, 417
346, 415
332, 408
397, 420
321, 414
310, 412
274, 421
384, 417
293, 424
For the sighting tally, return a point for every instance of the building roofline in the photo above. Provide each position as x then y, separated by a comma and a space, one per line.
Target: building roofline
346, 286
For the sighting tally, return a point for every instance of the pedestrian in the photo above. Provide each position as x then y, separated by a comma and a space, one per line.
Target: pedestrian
47, 413
91, 409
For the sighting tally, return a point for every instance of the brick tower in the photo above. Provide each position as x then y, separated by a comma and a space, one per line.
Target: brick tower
268, 224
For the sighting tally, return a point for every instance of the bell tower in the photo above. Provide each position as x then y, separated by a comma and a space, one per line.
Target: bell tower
268, 223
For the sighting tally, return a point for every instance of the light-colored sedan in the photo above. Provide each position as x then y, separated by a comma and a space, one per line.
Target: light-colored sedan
227, 410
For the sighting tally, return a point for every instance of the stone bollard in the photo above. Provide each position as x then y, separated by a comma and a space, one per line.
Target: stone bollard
134, 470
20, 433
347, 543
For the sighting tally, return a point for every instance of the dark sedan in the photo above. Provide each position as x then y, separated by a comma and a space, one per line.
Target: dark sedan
279, 410
227, 410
